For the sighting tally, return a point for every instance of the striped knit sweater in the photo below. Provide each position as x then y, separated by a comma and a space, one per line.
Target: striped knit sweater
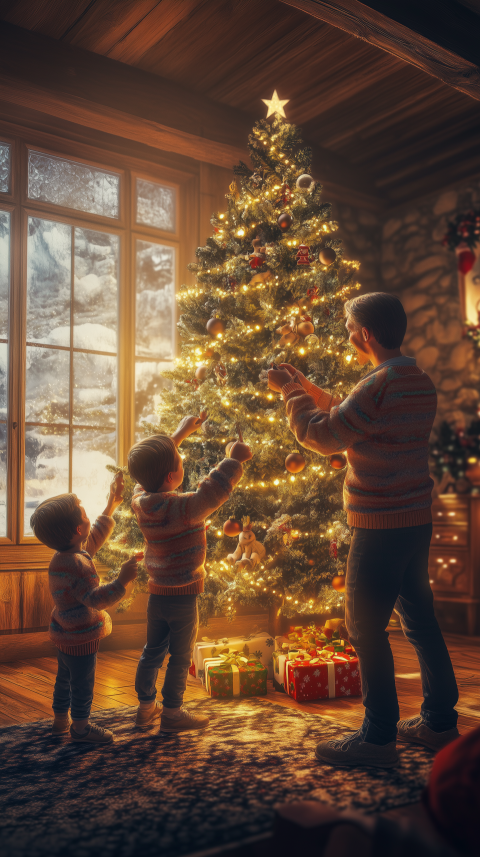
384, 426
174, 529
78, 620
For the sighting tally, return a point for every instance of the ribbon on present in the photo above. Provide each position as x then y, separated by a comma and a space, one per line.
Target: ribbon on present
235, 672
234, 661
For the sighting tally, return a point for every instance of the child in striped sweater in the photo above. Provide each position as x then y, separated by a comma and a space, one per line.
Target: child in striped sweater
78, 620
174, 529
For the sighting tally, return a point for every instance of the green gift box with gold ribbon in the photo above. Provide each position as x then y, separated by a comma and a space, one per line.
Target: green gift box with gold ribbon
226, 677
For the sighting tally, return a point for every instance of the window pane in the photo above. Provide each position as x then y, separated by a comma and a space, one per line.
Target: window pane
3, 480
5, 167
94, 389
3, 379
46, 467
156, 205
73, 185
48, 281
95, 290
92, 451
4, 271
155, 284
148, 390
47, 385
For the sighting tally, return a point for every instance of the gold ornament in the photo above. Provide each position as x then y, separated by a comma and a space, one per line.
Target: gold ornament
275, 105
234, 189
338, 582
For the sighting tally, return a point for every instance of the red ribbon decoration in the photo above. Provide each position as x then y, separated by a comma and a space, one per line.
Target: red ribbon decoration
194, 382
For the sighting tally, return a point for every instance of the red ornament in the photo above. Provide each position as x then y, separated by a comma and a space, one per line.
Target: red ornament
295, 462
232, 527
333, 549
338, 461
312, 293
302, 256
285, 221
193, 382
465, 261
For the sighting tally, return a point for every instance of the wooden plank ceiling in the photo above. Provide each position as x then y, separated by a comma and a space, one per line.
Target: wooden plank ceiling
408, 132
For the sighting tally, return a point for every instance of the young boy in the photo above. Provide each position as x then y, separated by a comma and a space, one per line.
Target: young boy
174, 529
78, 621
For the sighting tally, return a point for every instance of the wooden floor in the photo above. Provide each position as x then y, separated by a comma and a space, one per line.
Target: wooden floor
26, 686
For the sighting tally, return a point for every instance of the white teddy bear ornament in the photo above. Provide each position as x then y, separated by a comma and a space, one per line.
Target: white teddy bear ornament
248, 552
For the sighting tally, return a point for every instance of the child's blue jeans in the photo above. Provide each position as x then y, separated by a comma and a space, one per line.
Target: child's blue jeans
74, 684
172, 624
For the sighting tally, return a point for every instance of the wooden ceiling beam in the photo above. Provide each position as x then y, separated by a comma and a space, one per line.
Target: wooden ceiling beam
441, 37
111, 97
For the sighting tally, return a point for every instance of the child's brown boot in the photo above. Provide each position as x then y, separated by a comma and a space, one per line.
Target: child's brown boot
147, 716
93, 735
183, 721
61, 725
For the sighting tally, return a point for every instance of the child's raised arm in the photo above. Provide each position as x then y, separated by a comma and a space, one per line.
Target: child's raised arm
102, 529
216, 488
187, 426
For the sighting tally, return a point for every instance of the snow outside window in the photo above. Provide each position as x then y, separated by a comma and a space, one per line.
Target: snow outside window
73, 185
71, 363
155, 326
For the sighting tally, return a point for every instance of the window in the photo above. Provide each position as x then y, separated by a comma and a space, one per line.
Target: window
71, 362
73, 185
94, 273
4, 317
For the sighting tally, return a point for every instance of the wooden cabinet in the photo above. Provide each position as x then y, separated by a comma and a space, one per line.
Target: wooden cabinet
454, 563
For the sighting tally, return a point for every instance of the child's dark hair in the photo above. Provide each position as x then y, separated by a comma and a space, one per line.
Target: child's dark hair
382, 314
55, 521
151, 460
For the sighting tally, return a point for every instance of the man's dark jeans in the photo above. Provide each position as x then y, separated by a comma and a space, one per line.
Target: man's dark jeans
74, 684
387, 569
172, 627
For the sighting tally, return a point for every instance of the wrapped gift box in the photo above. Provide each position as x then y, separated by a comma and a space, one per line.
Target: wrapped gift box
258, 645
325, 676
311, 636
239, 676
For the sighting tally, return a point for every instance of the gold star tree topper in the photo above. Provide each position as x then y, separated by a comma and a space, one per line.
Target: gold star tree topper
275, 105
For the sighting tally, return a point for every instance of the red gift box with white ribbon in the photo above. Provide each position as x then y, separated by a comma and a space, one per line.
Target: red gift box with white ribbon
321, 678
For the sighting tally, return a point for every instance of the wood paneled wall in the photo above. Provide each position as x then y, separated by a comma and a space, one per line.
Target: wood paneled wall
214, 182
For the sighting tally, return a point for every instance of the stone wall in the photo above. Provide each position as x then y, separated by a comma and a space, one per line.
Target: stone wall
361, 233
423, 274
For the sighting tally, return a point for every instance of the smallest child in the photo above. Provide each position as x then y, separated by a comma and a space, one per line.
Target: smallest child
78, 621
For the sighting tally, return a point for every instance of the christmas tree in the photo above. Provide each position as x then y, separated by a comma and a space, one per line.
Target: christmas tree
271, 283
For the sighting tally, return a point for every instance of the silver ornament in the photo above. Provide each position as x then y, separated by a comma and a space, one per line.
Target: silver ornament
304, 182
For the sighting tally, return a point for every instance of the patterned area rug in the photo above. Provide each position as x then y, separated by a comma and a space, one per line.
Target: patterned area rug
149, 794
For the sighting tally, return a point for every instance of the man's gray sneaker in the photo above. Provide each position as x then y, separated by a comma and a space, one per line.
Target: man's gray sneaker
352, 750
416, 731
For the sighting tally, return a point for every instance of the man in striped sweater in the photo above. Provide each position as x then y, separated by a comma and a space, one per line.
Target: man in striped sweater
174, 529
384, 426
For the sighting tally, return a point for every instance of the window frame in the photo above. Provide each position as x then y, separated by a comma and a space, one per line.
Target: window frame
26, 551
